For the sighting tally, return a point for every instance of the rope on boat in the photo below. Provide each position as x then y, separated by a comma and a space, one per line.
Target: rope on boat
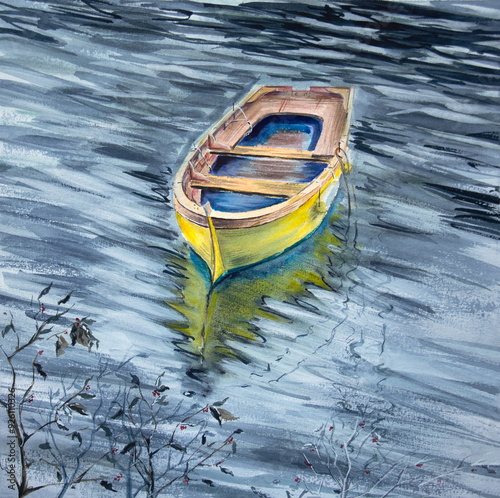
202, 156
346, 170
211, 135
216, 253
320, 206
246, 119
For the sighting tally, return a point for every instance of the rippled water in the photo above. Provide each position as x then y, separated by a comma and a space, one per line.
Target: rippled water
387, 316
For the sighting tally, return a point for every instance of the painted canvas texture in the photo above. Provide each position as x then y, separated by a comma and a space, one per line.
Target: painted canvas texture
362, 361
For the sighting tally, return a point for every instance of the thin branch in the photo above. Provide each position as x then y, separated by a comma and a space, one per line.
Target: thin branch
345, 483
443, 475
398, 482
188, 470
50, 463
36, 336
79, 478
36, 488
378, 482
28, 390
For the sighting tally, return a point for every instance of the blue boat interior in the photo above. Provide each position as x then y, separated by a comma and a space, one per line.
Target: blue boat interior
285, 131
292, 131
281, 170
234, 202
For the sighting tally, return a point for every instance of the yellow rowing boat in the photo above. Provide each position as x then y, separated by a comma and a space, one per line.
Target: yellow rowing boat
262, 178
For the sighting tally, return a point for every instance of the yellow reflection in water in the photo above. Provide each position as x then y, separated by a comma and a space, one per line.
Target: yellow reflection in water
215, 323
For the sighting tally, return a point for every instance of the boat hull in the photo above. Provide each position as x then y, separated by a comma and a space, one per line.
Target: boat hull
265, 147
226, 250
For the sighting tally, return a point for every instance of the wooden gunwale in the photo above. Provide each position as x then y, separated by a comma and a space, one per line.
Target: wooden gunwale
195, 213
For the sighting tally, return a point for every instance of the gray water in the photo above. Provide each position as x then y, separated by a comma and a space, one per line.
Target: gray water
387, 317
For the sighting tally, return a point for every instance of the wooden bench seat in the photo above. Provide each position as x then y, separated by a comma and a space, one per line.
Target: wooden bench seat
248, 185
271, 152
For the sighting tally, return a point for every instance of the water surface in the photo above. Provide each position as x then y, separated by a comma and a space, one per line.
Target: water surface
386, 317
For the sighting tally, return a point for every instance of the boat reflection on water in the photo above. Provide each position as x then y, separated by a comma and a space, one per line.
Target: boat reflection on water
216, 324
